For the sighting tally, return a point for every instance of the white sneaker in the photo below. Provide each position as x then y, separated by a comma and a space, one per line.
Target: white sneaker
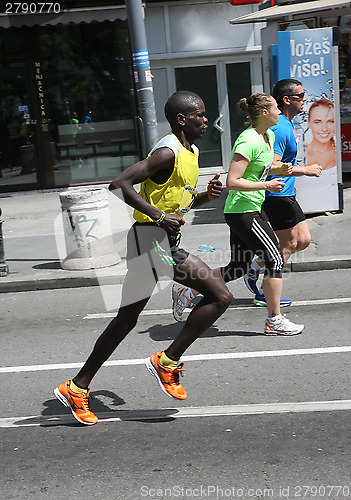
282, 326
182, 297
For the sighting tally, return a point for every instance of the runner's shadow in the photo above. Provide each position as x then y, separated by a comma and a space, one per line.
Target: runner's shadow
102, 401
236, 303
169, 332
49, 265
53, 416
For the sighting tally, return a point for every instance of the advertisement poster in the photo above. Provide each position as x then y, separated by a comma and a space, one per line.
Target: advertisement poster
307, 56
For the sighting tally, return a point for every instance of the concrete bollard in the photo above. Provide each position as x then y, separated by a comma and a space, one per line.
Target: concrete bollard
87, 229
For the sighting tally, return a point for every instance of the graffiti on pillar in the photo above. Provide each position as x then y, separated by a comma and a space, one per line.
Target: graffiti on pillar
76, 225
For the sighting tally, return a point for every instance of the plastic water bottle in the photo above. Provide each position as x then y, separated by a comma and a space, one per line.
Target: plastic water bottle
206, 248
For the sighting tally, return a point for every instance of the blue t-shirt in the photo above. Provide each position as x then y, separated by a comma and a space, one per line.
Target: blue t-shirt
285, 145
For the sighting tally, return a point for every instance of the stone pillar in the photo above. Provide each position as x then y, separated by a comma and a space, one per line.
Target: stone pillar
4, 270
87, 229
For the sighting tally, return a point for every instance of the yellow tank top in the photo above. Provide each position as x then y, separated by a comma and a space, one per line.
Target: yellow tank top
177, 194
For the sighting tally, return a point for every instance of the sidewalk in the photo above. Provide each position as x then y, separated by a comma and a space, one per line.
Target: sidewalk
33, 256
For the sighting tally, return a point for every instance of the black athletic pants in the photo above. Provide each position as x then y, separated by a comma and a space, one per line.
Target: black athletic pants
251, 235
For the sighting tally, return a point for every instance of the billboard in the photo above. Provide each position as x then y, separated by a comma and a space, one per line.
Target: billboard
308, 55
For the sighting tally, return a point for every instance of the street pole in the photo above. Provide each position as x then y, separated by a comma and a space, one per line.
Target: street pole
4, 270
142, 75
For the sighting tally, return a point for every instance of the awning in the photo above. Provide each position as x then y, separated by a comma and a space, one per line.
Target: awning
66, 16
282, 11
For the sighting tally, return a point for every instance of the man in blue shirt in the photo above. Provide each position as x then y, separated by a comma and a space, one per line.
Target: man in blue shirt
87, 127
283, 211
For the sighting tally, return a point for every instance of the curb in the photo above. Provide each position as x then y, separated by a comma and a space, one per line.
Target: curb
33, 284
322, 264
30, 284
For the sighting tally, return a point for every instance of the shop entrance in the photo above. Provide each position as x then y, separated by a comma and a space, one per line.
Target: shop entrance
17, 138
67, 105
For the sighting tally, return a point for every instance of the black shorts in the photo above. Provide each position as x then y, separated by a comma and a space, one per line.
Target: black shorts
251, 235
283, 212
159, 248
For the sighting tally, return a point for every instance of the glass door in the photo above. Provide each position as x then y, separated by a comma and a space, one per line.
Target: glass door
220, 85
18, 165
237, 88
203, 81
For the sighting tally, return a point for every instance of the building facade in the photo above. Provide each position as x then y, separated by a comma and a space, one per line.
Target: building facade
192, 46
68, 113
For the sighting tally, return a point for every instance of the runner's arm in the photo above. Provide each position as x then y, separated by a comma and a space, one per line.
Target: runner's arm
160, 163
281, 168
296, 170
236, 182
214, 189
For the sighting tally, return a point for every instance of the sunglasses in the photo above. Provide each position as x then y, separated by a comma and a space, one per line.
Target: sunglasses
301, 95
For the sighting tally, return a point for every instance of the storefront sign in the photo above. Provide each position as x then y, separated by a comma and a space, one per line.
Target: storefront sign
307, 56
346, 141
39, 82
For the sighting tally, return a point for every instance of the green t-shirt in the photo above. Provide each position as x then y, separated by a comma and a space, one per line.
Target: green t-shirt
251, 146
74, 122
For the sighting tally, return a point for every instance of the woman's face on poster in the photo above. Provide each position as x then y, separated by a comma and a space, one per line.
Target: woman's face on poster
322, 124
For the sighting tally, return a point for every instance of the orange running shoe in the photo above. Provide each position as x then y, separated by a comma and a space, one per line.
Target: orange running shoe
168, 379
78, 403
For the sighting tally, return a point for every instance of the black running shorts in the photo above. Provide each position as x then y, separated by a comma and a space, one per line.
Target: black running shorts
159, 248
283, 212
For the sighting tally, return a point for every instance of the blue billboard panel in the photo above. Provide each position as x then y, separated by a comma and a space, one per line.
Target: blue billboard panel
307, 56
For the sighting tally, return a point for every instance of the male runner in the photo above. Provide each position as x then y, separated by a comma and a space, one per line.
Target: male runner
168, 177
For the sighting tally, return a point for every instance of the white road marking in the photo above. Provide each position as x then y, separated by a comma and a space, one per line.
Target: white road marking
187, 412
251, 307
318, 302
195, 357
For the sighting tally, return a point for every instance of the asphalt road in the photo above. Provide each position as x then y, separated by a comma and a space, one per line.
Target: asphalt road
264, 418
